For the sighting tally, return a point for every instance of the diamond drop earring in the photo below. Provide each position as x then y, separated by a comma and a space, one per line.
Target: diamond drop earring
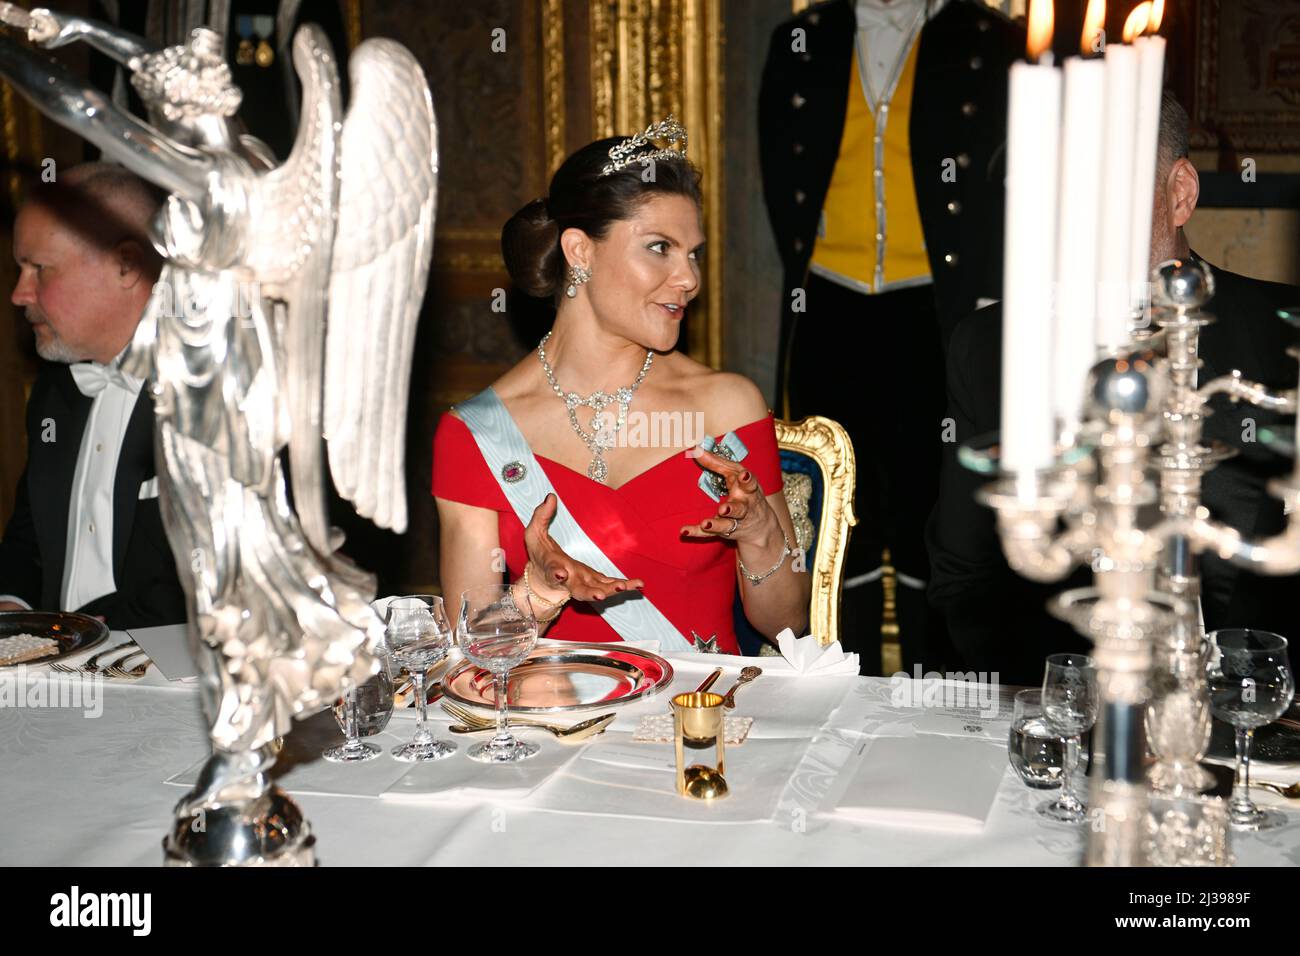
577, 276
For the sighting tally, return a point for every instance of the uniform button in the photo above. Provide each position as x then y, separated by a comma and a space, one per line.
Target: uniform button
814, 18
963, 160
954, 207
806, 57
92, 527
950, 258
800, 196
968, 109
798, 245
976, 62
982, 25
880, 237
798, 148
797, 101
99, 446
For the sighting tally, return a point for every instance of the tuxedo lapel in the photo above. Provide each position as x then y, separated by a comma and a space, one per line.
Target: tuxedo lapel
52, 466
135, 465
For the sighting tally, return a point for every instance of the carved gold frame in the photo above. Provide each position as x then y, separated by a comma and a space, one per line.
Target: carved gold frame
826, 442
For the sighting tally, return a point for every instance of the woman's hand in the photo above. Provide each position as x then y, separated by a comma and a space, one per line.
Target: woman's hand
554, 572
744, 514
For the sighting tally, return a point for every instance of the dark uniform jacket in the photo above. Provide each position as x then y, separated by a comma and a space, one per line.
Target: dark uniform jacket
958, 112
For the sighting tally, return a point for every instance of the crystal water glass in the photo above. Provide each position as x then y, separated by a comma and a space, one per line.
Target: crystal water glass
418, 635
362, 712
496, 630
1251, 685
1036, 752
1070, 704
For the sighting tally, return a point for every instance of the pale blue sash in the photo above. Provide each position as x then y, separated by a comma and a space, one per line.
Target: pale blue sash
504, 448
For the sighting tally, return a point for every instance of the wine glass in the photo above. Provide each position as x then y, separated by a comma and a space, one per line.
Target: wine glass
418, 636
496, 631
1070, 704
1250, 685
362, 712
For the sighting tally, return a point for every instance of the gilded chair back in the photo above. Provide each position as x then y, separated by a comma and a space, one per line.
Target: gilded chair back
819, 474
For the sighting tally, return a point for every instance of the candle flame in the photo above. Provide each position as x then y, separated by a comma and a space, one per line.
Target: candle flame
1157, 14
1094, 22
1040, 29
1137, 21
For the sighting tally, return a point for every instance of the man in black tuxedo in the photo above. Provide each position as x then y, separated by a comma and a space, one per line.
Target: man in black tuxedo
86, 533
881, 130
996, 619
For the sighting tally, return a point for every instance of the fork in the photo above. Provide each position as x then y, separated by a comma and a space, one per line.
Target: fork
116, 669
479, 722
89, 667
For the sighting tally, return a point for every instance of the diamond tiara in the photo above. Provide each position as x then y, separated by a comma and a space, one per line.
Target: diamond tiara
669, 131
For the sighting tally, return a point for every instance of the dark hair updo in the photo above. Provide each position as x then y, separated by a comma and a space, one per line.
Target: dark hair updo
581, 198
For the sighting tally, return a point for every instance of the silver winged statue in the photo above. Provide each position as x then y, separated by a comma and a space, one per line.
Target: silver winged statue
285, 312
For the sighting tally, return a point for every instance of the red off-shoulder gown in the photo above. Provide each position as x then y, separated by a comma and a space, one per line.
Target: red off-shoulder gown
692, 581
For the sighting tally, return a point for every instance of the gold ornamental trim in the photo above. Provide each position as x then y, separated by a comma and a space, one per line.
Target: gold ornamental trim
352, 17
827, 443
553, 83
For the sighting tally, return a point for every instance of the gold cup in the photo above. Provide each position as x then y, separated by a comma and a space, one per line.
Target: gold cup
698, 724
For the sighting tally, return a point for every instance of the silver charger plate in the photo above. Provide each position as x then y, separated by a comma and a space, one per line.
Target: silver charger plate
74, 632
563, 676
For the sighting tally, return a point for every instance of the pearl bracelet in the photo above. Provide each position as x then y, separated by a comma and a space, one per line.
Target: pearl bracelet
760, 578
534, 596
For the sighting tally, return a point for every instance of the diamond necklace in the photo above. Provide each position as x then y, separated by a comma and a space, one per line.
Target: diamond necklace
600, 437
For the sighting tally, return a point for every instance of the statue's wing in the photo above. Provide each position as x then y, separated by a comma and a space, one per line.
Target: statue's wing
290, 247
382, 251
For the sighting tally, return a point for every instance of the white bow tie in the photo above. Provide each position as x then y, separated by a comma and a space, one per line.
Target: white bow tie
92, 378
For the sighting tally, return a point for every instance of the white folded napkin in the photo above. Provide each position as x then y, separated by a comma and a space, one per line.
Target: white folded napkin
808, 657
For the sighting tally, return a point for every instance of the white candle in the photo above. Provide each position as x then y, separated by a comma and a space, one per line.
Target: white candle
1113, 259
1075, 346
1028, 271
1151, 69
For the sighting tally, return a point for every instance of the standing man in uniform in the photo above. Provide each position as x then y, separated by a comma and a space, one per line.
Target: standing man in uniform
882, 128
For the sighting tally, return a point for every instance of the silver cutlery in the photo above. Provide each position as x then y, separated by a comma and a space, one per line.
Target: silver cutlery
91, 666
569, 735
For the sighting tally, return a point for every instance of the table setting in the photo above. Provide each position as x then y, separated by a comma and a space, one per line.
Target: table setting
817, 763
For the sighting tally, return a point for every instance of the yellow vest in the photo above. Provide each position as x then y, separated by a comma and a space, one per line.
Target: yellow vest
853, 227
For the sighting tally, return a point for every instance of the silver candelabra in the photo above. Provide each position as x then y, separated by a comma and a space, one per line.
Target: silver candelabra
1143, 409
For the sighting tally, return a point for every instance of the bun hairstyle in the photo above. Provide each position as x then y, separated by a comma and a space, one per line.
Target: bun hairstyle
581, 198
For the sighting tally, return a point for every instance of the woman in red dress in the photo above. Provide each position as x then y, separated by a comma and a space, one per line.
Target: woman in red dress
619, 253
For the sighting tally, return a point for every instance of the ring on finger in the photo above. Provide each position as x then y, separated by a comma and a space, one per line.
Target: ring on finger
735, 523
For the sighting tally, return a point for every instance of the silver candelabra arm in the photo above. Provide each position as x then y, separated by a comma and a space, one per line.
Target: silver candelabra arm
1277, 555
1239, 388
1028, 516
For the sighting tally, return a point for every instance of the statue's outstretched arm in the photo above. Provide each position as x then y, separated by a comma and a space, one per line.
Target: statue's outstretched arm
51, 29
93, 116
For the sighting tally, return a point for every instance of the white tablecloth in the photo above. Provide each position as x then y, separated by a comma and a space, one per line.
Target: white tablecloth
89, 790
